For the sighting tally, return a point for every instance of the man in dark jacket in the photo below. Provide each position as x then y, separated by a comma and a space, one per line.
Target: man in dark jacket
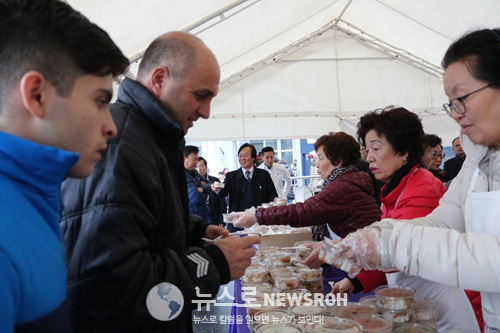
453, 165
132, 248
198, 187
248, 186
216, 206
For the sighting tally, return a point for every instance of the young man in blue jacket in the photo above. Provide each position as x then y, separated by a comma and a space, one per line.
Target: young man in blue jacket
56, 83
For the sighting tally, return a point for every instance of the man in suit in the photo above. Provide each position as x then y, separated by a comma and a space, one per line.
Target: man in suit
247, 186
453, 165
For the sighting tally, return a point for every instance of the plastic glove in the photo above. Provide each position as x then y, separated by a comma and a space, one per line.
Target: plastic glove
246, 219
363, 249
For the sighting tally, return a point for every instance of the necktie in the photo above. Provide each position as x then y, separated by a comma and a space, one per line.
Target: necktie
247, 175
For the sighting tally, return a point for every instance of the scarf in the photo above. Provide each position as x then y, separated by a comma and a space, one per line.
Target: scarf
321, 232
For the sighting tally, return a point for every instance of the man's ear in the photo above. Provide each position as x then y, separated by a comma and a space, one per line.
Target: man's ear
33, 91
159, 79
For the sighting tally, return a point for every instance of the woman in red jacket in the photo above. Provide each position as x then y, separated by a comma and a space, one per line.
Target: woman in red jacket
394, 141
345, 203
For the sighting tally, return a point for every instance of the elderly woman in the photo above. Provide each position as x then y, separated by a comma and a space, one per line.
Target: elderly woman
394, 141
458, 243
346, 202
433, 156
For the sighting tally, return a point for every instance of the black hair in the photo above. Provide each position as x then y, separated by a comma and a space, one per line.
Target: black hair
432, 140
190, 149
203, 160
339, 147
401, 128
453, 141
480, 52
52, 38
266, 150
253, 151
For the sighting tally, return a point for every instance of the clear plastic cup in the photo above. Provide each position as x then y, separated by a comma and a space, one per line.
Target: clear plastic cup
288, 281
374, 324
394, 297
353, 309
337, 325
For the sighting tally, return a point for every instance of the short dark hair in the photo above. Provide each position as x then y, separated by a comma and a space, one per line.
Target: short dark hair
52, 38
179, 51
453, 142
480, 51
339, 147
432, 140
253, 151
190, 149
402, 129
201, 159
266, 150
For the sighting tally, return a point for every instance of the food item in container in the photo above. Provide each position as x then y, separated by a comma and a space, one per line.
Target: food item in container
280, 202
398, 316
218, 185
394, 297
425, 309
279, 328
352, 309
295, 296
369, 300
310, 273
255, 275
273, 273
288, 281
373, 324
301, 250
301, 312
280, 258
337, 325
413, 328
313, 285
256, 304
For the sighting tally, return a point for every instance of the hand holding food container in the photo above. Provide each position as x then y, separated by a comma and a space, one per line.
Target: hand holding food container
363, 249
245, 219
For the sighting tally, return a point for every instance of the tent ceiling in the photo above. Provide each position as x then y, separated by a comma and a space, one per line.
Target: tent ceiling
261, 44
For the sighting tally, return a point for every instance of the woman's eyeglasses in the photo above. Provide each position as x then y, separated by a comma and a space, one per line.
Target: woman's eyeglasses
458, 105
434, 155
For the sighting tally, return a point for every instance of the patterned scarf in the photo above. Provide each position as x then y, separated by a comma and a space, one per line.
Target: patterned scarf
320, 232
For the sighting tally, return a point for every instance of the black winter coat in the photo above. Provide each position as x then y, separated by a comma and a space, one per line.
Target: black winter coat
126, 228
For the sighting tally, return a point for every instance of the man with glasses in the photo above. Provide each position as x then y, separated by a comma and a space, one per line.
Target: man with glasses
453, 165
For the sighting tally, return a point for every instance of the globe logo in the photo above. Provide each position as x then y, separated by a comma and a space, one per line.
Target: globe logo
165, 301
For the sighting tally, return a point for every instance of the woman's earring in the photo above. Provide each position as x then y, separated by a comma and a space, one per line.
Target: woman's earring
405, 159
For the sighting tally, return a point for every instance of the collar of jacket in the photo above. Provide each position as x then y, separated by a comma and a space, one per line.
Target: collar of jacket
134, 94
36, 166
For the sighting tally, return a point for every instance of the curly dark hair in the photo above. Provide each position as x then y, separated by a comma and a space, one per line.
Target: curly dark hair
432, 140
401, 128
339, 147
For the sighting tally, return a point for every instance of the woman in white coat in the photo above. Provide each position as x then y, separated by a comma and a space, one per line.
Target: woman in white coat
459, 242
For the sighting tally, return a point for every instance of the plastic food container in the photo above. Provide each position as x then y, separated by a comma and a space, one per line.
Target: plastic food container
327, 253
313, 285
369, 300
398, 316
218, 185
310, 273
374, 324
273, 273
303, 312
288, 281
274, 316
259, 304
279, 328
425, 309
394, 297
337, 325
281, 202
353, 309
414, 328
301, 250
280, 258
255, 275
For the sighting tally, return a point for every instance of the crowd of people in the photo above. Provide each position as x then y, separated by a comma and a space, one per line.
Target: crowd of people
114, 203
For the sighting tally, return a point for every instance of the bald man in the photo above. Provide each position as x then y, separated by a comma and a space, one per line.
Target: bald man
128, 234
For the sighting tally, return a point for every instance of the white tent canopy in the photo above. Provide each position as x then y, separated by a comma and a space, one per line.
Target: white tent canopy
302, 68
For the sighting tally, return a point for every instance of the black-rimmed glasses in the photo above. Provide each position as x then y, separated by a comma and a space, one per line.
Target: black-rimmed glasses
458, 105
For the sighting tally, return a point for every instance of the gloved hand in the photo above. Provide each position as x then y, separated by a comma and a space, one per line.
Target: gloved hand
363, 249
246, 219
